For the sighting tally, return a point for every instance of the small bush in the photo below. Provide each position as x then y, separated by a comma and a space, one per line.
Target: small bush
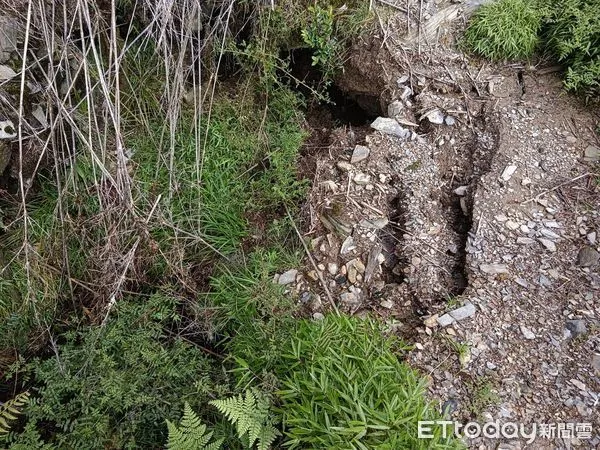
113, 386
572, 34
505, 29
345, 388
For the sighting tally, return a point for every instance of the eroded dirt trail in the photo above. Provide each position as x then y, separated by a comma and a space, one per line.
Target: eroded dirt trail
468, 218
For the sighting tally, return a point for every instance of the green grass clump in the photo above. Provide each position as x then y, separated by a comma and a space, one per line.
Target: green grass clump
572, 34
345, 388
504, 29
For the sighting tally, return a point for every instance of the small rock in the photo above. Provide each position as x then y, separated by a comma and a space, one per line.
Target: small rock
578, 384
391, 126
527, 332
395, 108
511, 225
377, 223
401, 80
501, 218
490, 365
332, 268
344, 166
587, 257
463, 312
450, 121
596, 362
7, 129
522, 282
576, 327
549, 234
431, 321
6, 73
347, 246
550, 246
461, 190
406, 92
445, 320
351, 273
362, 178
508, 172
305, 297
436, 117
318, 316
359, 154
387, 304
288, 277
449, 407
591, 237
592, 154
493, 269
349, 298
524, 229
525, 241
313, 275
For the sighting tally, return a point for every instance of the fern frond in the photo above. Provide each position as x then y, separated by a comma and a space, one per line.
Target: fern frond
249, 413
10, 411
191, 434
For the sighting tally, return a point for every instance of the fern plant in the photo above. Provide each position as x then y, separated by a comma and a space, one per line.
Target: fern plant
250, 415
191, 433
11, 409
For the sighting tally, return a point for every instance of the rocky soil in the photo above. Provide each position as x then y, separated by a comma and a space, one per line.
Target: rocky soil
468, 217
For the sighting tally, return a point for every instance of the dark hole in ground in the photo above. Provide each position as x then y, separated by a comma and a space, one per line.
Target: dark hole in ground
461, 223
343, 108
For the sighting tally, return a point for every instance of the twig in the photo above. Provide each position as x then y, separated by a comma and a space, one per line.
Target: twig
558, 186
391, 5
312, 261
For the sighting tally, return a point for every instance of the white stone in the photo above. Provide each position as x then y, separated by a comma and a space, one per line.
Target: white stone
288, 277
508, 172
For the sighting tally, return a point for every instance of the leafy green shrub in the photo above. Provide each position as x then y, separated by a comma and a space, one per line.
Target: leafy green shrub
113, 386
505, 29
344, 388
10, 409
572, 34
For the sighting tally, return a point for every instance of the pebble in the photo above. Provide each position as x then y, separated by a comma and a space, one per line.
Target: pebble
332, 268
490, 365
461, 190
344, 166
390, 126
550, 246
576, 327
527, 332
349, 298
592, 154
493, 269
436, 117
587, 257
511, 225
508, 172
524, 229
591, 237
450, 121
596, 362
549, 234
525, 240
347, 246
445, 320
387, 304
395, 108
464, 312
288, 277
362, 178
377, 223
431, 321
578, 384
359, 154
318, 316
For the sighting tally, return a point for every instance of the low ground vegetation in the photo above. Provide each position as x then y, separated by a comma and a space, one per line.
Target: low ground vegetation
567, 31
137, 307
